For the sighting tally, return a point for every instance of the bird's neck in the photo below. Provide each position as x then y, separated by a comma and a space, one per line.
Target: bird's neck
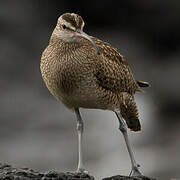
62, 45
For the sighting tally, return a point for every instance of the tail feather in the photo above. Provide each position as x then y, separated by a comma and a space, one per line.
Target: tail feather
142, 83
129, 112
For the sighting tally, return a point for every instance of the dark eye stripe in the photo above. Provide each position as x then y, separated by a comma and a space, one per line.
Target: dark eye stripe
64, 26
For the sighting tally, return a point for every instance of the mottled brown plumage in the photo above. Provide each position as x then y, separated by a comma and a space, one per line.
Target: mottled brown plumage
75, 20
77, 76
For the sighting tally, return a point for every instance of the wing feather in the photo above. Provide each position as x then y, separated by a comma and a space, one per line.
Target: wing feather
113, 72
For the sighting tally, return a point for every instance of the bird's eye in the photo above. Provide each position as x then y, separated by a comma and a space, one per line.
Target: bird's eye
64, 26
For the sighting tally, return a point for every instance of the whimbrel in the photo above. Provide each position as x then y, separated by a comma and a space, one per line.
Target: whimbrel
83, 71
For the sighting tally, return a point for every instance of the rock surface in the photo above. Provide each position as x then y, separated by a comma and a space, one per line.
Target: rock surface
7, 172
119, 177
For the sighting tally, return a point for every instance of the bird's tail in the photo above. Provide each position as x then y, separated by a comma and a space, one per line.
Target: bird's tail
142, 83
129, 111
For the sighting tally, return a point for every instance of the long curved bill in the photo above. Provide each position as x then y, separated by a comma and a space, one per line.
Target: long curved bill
84, 35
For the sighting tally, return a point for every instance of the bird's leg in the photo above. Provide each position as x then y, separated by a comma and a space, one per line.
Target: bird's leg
123, 128
80, 128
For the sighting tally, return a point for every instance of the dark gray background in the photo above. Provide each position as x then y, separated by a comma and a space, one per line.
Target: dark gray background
38, 132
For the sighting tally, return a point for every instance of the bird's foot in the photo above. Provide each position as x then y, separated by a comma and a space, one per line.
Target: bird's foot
82, 171
135, 171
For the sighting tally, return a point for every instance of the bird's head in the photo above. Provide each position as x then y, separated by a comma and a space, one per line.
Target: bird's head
69, 28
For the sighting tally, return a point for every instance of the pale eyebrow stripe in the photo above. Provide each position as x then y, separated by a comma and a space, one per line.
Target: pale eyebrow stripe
68, 25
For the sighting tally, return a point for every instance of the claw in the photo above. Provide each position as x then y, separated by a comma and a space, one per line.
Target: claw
135, 171
82, 171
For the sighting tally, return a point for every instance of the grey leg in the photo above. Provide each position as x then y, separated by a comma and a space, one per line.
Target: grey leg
123, 128
80, 128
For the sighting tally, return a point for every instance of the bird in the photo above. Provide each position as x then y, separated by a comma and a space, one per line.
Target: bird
82, 71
